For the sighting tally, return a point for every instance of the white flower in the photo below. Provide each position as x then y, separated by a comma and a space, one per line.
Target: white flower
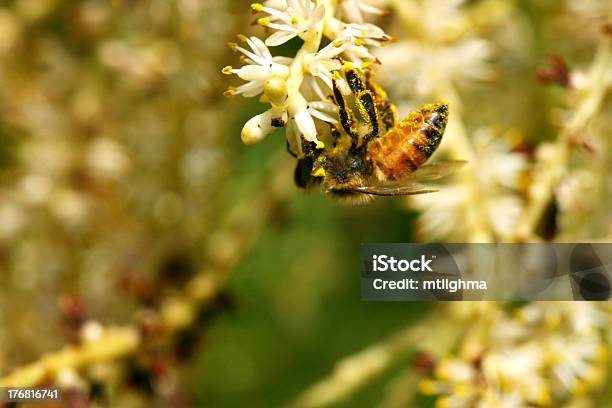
414, 66
440, 212
257, 128
369, 34
551, 359
357, 10
261, 66
504, 212
573, 359
497, 162
322, 64
299, 89
362, 36
322, 110
497, 169
290, 19
305, 124
573, 190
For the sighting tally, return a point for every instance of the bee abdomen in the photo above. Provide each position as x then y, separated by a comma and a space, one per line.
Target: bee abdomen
408, 145
435, 118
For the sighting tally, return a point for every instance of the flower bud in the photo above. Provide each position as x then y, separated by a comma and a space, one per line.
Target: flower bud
276, 90
257, 128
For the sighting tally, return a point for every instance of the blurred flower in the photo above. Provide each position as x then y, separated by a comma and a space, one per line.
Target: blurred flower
442, 43
146, 62
544, 364
574, 191
106, 159
10, 29
497, 169
105, 111
12, 219
357, 10
414, 66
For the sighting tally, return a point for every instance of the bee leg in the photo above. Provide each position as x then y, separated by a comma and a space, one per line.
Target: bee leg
346, 118
387, 110
364, 99
303, 176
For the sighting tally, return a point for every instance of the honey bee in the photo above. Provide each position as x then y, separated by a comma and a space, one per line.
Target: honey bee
373, 154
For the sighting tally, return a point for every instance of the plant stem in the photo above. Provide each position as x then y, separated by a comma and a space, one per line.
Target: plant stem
541, 192
435, 333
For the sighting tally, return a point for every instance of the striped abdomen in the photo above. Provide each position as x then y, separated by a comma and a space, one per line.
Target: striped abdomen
410, 143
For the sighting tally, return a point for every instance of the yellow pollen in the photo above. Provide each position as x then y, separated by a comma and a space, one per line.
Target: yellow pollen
595, 376
320, 145
523, 180
514, 136
264, 21
347, 66
443, 402
543, 396
602, 354
461, 390
338, 44
552, 358
366, 64
580, 388
428, 387
232, 45
552, 322
257, 6
227, 70
242, 37
320, 172
230, 92
294, 20
442, 373
360, 41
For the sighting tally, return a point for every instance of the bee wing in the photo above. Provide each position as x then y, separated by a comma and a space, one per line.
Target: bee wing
394, 189
409, 185
436, 170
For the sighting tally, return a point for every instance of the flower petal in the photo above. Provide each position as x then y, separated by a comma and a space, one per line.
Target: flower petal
279, 37
306, 125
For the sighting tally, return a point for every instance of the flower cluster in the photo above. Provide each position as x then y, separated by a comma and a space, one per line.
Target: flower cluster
541, 355
499, 171
442, 42
93, 158
298, 88
447, 46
